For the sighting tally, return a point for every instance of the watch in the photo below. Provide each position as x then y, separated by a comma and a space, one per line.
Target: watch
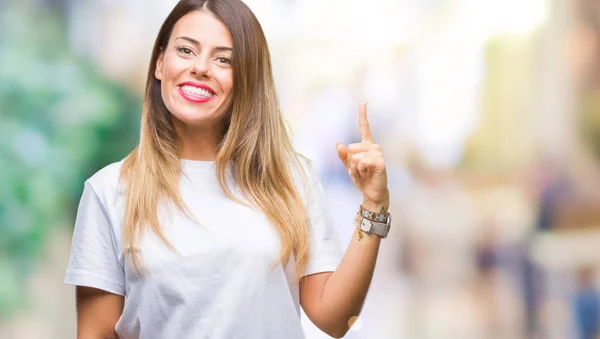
373, 223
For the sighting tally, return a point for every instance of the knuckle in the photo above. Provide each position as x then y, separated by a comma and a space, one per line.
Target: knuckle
374, 153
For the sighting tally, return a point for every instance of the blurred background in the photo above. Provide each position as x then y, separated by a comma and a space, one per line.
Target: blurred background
488, 112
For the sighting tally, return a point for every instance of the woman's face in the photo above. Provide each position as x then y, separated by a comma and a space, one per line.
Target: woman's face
195, 70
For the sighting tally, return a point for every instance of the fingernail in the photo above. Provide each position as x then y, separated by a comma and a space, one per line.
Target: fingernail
349, 172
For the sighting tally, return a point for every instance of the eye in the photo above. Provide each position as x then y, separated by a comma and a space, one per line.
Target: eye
184, 50
224, 61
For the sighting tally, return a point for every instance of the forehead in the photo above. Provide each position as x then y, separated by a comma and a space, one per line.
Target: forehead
204, 27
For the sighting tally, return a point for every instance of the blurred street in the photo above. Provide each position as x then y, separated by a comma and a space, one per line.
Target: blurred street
488, 113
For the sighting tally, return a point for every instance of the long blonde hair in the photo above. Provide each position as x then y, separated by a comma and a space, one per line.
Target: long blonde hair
255, 145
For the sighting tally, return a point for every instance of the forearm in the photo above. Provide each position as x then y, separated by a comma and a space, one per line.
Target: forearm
346, 289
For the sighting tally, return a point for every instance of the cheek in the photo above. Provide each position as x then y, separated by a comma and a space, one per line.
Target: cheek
173, 67
227, 81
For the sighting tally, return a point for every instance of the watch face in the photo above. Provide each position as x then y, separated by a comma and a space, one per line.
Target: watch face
366, 225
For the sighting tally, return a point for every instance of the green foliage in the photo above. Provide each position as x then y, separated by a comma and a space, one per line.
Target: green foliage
60, 121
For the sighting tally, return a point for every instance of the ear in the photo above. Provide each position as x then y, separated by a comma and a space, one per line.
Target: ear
159, 65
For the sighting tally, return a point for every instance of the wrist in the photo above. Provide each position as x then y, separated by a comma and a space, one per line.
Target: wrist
374, 218
376, 205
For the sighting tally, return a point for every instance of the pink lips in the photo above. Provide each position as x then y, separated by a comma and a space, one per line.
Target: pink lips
195, 98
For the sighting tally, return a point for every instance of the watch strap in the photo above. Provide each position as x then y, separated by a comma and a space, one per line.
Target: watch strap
374, 227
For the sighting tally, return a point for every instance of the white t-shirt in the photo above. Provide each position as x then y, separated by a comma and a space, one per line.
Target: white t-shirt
218, 284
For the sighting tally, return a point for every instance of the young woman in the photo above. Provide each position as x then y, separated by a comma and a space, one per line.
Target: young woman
214, 227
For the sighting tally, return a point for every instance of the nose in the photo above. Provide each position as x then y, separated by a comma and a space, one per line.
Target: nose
201, 67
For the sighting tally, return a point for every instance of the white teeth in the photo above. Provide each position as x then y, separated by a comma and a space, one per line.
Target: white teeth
196, 91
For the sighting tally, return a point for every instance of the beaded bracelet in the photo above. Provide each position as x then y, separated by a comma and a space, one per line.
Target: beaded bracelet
377, 217
372, 216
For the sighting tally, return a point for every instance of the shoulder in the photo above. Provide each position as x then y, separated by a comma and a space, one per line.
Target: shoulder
303, 170
305, 176
105, 182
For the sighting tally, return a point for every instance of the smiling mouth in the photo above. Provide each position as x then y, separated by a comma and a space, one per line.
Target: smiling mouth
196, 91
195, 94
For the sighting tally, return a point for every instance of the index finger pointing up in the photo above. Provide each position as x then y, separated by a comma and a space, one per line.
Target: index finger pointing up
363, 123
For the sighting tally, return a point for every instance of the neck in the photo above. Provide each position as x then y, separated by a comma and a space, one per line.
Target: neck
199, 142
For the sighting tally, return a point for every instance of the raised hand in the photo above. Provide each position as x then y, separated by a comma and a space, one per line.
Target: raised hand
365, 165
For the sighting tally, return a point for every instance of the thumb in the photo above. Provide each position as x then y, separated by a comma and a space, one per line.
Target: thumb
342, 154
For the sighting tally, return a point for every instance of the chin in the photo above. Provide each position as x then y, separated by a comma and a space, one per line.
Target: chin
197, 117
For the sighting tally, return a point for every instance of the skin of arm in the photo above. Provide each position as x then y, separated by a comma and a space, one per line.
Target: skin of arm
97, 313
332, 300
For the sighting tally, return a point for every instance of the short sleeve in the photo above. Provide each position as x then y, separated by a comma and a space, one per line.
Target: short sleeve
93, 260
325, 249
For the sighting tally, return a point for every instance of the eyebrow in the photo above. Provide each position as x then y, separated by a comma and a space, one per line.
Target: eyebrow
196, 42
